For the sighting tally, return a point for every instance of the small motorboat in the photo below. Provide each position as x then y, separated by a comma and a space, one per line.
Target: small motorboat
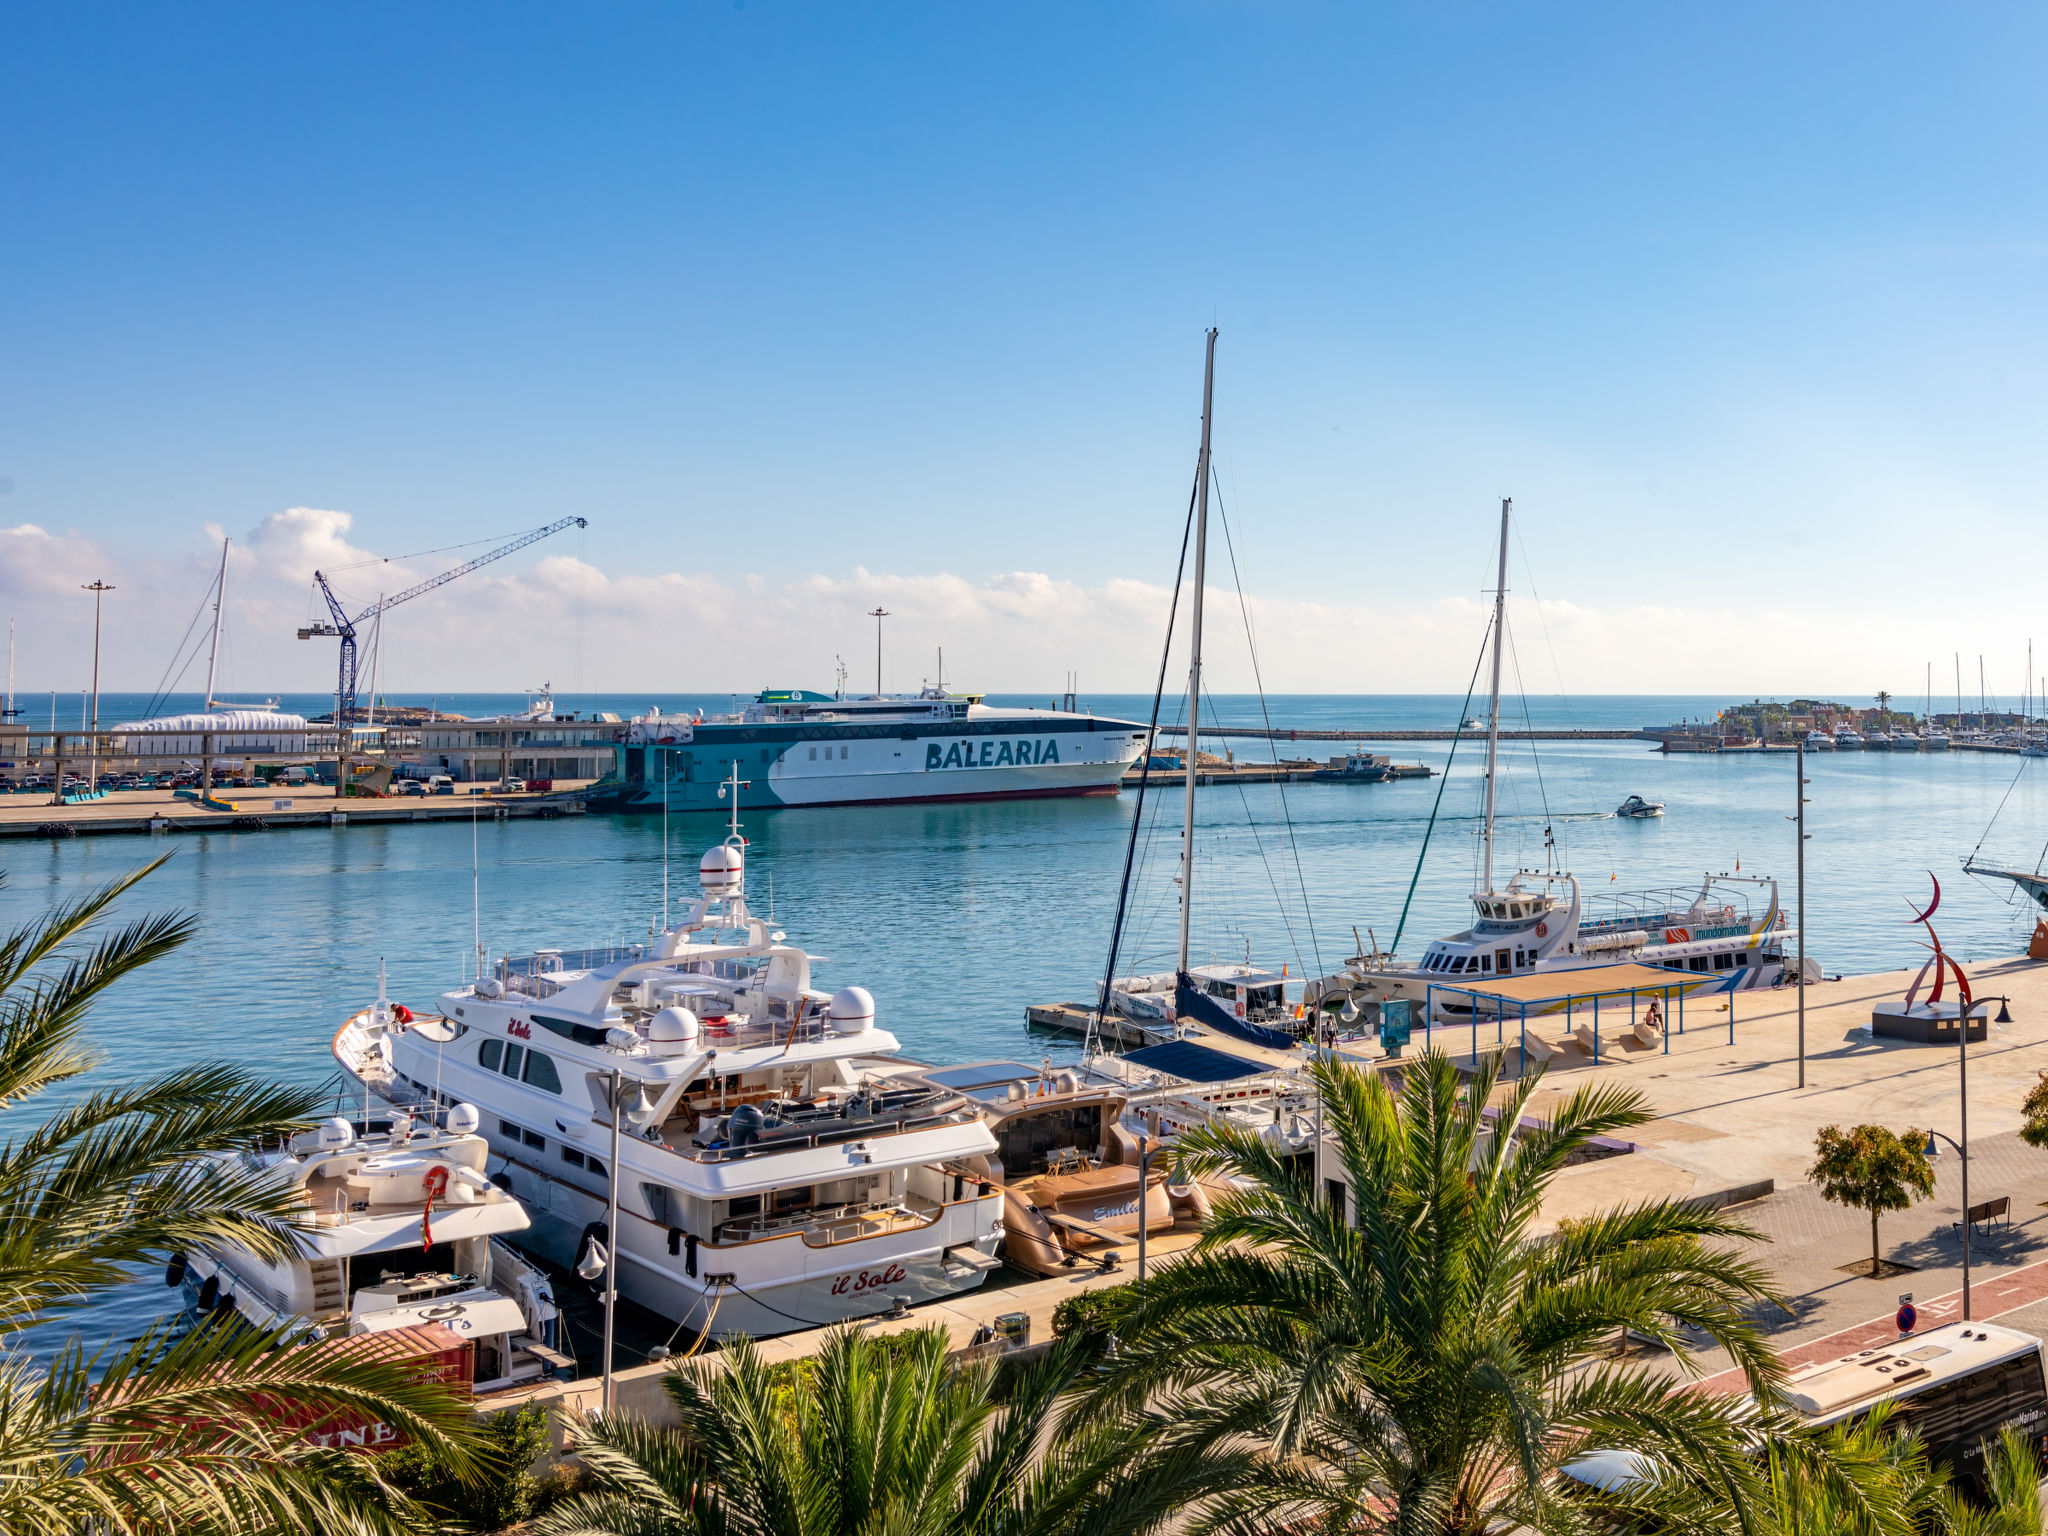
1636, 806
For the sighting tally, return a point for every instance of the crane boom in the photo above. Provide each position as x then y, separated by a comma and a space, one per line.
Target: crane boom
344, 627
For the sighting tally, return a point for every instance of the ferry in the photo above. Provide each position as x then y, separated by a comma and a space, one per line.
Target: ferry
789, 747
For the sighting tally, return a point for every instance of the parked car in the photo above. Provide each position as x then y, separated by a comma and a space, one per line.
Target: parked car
441, 784
509, 787
410, 787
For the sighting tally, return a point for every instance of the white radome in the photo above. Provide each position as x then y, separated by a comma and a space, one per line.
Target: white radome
852, 1010
722, 870
672, 1026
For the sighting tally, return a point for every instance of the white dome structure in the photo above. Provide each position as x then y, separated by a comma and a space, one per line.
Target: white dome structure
852, 1010
255, 730
722, 871
672, 1026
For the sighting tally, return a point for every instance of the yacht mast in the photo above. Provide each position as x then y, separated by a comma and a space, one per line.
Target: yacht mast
220, 597
1187, 826
1500, 606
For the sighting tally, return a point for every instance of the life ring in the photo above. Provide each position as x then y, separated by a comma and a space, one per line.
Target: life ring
1542, 930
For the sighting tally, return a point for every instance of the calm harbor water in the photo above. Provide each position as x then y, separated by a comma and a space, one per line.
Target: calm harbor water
958, 916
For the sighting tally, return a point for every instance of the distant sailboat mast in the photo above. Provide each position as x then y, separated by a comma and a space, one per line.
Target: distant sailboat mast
1500, 601
1187, 829
220, 597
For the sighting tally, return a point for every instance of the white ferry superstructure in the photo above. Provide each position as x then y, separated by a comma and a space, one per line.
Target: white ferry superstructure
777, 1166
795, 748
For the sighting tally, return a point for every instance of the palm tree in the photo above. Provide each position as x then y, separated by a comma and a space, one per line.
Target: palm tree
881, 1435
169, 1433
1426, 1365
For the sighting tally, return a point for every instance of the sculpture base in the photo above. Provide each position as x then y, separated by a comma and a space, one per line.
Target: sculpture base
1926, 1023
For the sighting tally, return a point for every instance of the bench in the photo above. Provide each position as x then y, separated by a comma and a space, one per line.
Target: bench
1998, 1209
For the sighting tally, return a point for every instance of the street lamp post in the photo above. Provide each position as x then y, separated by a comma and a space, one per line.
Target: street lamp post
97, 589
1799, 821
1963, 1005
878, 614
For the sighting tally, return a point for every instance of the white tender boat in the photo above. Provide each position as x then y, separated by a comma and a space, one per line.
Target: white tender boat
777, 1167
406, 1228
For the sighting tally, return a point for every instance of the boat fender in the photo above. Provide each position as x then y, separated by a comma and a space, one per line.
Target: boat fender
503, 1179
174, 1272
209, 1293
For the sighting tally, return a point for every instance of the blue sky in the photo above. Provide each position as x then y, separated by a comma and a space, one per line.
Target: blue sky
809, 307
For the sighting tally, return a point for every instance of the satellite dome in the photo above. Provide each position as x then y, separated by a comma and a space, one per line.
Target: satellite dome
852, 1010
336, 1132
463, 1119
672, 1026
722, 871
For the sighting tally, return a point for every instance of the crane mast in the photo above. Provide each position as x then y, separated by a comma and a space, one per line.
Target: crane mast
344, 627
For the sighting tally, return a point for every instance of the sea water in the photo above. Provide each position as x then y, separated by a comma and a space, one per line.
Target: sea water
957, 917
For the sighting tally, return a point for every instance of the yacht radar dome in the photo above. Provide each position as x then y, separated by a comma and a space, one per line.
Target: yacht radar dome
852, 1010
722, 871
672, 1026
335, 1133
463, 1119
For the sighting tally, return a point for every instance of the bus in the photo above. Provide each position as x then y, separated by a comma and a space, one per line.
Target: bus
1956, 1386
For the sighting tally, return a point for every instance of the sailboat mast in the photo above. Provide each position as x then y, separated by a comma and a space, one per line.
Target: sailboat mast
1187, 825
220, 597
1500, 608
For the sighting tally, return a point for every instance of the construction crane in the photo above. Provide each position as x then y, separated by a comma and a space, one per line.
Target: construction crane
345, 627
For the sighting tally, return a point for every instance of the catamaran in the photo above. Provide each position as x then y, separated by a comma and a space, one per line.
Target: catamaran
798, 748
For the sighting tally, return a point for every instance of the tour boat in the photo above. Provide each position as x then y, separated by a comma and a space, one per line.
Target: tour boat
405, 1228
773, 1164
1538, 920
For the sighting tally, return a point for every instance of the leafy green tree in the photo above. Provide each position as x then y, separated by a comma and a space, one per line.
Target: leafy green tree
882, 1437
2034, 1113
1422, 1362
505, 1494
1868, 1477
1869, 1169
171, 1433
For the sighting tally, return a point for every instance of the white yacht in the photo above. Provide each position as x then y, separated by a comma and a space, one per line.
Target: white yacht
1848, 739
406, 1228
1538, 921
776, 1166
1819, 741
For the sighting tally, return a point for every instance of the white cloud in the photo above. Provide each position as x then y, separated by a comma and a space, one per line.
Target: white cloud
559, 618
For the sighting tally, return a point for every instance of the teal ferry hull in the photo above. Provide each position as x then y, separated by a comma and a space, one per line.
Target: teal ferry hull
980, 755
